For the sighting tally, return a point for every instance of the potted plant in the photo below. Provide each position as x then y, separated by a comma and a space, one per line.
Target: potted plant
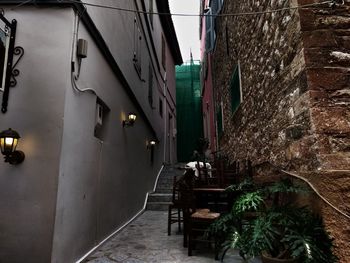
263, 222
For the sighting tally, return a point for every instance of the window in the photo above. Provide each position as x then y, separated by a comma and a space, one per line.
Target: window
163, 52
161, 107
235, 87
137, 47
150, 85
151, 11
101, 119
4, 46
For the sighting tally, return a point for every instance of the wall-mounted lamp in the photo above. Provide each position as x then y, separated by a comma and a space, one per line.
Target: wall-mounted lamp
8, 143
130, 121
151, 144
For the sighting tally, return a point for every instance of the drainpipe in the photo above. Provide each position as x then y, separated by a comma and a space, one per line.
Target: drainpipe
165, 117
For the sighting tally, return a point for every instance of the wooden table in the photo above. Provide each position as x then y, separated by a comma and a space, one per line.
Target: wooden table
209, 189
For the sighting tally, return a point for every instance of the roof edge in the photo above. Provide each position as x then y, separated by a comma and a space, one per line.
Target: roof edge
169, 30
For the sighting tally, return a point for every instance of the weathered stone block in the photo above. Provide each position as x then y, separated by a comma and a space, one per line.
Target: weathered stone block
320, 57
337, 161
328, 78
311, 19
319, 38
302, 105
340, 144
335, 120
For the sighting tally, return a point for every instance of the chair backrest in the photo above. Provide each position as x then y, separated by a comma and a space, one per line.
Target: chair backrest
186, 195
203, 173
176, 188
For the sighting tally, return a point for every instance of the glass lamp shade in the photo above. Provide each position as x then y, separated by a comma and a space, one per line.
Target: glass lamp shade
152, 143
8, 141
132, 117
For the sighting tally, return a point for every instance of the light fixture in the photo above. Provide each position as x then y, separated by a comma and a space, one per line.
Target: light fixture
131, 120
8, 143
151, 144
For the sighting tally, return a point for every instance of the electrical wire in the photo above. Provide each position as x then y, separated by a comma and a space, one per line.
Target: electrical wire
331, 2
74, 77
23, 3
317, 192
293, 174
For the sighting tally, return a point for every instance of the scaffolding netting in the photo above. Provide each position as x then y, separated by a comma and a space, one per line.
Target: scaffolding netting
189, 113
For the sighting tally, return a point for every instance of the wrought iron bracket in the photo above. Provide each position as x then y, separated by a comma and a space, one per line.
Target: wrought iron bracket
10, 67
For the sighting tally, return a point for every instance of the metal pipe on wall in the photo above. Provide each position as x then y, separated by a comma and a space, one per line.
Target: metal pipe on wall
164, 116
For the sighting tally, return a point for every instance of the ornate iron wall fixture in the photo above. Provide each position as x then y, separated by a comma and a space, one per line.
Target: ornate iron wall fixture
10, 67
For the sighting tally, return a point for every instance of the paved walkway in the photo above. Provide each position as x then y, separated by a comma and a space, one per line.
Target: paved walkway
145, 240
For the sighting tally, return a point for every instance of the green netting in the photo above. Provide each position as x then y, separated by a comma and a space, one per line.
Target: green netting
189, 113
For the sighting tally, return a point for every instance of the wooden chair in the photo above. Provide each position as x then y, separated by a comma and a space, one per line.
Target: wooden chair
206, 176
175, 216
196, 221
236, 172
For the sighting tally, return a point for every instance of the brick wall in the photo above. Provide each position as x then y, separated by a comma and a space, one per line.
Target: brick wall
295, 85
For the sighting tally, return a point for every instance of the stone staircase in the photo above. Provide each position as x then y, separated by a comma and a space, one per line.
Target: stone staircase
161, 198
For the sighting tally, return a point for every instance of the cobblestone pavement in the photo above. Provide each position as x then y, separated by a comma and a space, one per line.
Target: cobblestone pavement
145, 240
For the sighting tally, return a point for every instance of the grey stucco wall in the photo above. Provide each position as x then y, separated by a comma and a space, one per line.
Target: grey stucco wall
102, 184
117, 29
73, 189
36, 110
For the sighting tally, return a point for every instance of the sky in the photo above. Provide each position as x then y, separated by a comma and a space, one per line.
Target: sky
187, 28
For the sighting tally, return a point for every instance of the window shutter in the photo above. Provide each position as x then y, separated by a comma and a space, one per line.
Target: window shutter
210, 32
214, 5
235, 86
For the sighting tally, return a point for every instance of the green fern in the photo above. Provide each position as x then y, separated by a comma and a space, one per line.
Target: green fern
283, 230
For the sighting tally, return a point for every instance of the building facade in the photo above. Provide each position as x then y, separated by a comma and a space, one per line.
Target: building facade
85, 174
282, 90
208, 40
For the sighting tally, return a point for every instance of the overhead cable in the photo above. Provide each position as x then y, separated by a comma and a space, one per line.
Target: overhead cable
330, 2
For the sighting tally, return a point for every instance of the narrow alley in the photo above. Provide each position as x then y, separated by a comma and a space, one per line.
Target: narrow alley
145, 240
168, 131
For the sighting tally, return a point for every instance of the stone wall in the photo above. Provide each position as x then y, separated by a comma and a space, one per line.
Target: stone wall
274, 117
326, 41
295, 82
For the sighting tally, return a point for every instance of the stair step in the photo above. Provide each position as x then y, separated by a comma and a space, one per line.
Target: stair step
159, 197
158, 206
162, 190
165, 186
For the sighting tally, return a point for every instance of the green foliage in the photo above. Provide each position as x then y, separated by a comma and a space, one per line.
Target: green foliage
247, 185
281, 229
286, 186
248, 202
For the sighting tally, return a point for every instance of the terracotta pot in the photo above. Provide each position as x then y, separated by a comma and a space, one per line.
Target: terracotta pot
267, 259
